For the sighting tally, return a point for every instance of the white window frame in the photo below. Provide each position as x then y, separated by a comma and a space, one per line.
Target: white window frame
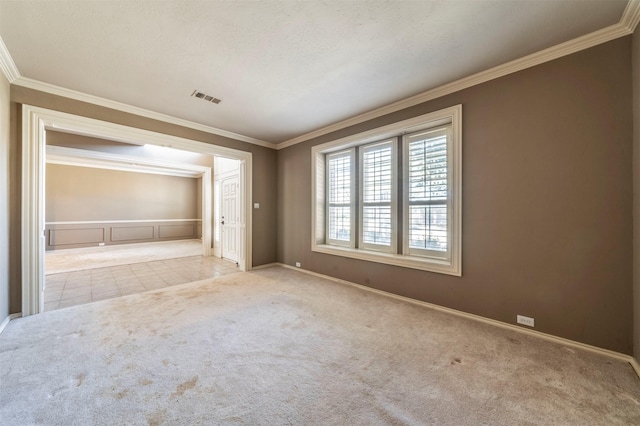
451, 264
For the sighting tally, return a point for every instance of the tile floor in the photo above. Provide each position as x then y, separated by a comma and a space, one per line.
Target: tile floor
90, 285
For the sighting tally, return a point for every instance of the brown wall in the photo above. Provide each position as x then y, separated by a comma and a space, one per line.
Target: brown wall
264, 172
4, 197
547, 201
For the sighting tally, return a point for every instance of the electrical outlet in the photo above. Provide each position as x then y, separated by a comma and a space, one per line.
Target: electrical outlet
525, 320
100, 244
298, 264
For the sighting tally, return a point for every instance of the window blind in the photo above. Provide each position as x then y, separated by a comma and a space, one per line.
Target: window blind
339, 195
428, 198
377, 185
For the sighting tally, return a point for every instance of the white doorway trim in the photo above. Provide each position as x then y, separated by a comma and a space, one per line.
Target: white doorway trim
35, 122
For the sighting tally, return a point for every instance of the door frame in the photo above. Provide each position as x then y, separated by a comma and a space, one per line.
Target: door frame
35, 122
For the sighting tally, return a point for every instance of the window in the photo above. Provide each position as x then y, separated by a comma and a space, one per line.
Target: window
377, 212
339, 186
427, 173
392, 194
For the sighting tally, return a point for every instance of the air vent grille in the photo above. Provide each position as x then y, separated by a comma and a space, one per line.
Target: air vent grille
205, 97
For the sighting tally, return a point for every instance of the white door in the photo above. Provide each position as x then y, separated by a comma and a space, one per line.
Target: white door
229, 218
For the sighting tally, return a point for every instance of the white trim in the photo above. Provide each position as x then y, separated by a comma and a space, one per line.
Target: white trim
119, 106
635, 366
496, 323
625, 27
32, 215
130, 163
6, 63
35, 121
6, 321
404, 261
409, 125
207, 212
451, 116
91, 222
631, 15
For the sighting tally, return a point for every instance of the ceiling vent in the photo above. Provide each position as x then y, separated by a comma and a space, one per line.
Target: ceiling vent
205, 97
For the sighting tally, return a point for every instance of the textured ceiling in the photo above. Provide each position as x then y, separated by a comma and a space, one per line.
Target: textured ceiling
281, 68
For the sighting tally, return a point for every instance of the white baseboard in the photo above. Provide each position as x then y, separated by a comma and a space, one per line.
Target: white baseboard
635, 365
561, 340
7, 319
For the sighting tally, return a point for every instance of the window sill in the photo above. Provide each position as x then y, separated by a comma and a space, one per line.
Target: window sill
414, 262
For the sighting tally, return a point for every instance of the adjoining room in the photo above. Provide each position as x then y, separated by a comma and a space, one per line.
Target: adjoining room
121, 219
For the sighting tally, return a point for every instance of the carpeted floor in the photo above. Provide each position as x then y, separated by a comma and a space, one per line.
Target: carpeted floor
279, 347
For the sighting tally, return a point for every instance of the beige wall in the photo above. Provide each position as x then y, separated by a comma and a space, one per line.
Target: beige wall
547, 201
88, 194
636, 195
128, 205
264, 172
95, 144
4, 197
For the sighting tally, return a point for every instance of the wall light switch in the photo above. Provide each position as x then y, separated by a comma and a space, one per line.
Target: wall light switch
256, 205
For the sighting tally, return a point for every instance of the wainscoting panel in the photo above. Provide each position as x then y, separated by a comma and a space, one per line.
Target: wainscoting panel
177, 231
130, 233
64, 235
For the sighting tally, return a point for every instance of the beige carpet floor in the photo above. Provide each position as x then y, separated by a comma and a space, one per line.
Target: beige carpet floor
80, 259
279, 347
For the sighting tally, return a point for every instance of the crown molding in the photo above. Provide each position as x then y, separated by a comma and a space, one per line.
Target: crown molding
119, 106
631, 15
627, 23
13, 75
6, 63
